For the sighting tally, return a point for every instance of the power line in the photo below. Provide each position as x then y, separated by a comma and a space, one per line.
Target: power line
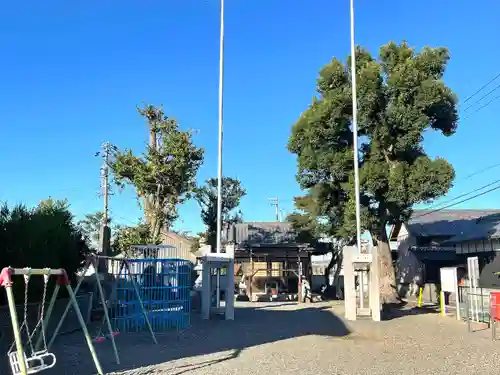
465, 194
482, 97
454, 204
482, 88
483, 106
480, 171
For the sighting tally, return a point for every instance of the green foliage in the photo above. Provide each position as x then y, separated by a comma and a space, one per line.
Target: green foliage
206, 196
90, 226
400, 96
165, 174
126, 236
41, 237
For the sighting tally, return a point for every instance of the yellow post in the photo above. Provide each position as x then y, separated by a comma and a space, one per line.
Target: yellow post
441, 303
420, 295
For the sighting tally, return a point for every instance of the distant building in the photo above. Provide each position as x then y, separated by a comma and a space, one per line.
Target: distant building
432, 239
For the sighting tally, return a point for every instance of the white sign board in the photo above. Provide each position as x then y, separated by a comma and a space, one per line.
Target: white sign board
449, 279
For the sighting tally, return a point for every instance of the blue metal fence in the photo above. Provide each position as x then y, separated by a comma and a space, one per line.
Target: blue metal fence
164, 287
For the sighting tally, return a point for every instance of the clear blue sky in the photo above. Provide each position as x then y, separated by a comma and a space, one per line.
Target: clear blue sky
72, 73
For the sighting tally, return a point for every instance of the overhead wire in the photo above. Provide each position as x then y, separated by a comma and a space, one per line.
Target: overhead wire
457, 203
482, 97
482, 88
465, 194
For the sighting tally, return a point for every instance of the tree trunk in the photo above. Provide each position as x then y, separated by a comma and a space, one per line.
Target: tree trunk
387, 277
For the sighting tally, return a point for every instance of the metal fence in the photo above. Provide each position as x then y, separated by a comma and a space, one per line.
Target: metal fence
474, 305
162, 285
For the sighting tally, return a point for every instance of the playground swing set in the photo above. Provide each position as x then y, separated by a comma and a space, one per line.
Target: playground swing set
93, 261
40, 357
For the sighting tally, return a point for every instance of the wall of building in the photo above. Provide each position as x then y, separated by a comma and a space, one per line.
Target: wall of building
478, 246
183, 247
409, 270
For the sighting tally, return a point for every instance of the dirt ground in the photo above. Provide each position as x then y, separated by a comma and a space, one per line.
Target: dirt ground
288, 338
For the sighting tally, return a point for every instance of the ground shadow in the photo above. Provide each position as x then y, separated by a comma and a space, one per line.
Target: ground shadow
219, 340
392, 311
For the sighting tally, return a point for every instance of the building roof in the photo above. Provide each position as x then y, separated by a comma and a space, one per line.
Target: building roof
485, 228
177, 236
262, 234
457, 225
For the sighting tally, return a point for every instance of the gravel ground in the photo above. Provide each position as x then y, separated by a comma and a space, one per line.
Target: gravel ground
295, 339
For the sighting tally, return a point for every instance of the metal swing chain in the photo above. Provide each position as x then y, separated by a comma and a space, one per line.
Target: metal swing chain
41, 316
45, 282
25, 312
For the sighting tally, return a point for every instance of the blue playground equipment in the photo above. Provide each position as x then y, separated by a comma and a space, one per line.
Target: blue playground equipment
163, 287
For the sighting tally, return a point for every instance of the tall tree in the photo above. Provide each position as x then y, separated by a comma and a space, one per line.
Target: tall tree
400, 96
206, 196
165, 174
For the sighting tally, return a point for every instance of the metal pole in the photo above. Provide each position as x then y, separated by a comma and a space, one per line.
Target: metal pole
141, 304
88, 339
355, 150
219, 165
16, 330
355, 130
68, 306
105, 308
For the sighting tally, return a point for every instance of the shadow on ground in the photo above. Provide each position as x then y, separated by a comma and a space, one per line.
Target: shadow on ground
252, 326
397, 310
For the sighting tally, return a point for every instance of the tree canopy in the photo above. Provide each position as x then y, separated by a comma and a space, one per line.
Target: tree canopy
401, 95
90, 226
206, 196
165, 174
126, 236
44, 236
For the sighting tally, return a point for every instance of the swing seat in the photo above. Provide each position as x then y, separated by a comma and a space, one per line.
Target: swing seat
99, 339
39, 361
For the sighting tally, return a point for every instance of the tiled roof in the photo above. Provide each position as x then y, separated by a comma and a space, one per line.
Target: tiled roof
262, 233
460, 225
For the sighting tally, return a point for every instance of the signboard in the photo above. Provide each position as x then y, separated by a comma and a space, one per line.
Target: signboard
449, 279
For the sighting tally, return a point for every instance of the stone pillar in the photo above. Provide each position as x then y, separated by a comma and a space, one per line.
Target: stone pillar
374, 286
229, 310
206, 288
349, 284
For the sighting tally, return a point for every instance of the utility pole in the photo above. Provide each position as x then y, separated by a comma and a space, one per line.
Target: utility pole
105, 235
284, 214
105, 183
275, 202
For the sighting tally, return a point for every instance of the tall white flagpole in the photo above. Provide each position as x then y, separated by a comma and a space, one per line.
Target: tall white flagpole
355, 148
221, 121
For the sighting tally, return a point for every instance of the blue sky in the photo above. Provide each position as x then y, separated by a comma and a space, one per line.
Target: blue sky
73, 72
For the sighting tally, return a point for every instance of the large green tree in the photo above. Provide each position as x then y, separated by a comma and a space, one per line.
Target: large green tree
206, 196
401, 95
165, 174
